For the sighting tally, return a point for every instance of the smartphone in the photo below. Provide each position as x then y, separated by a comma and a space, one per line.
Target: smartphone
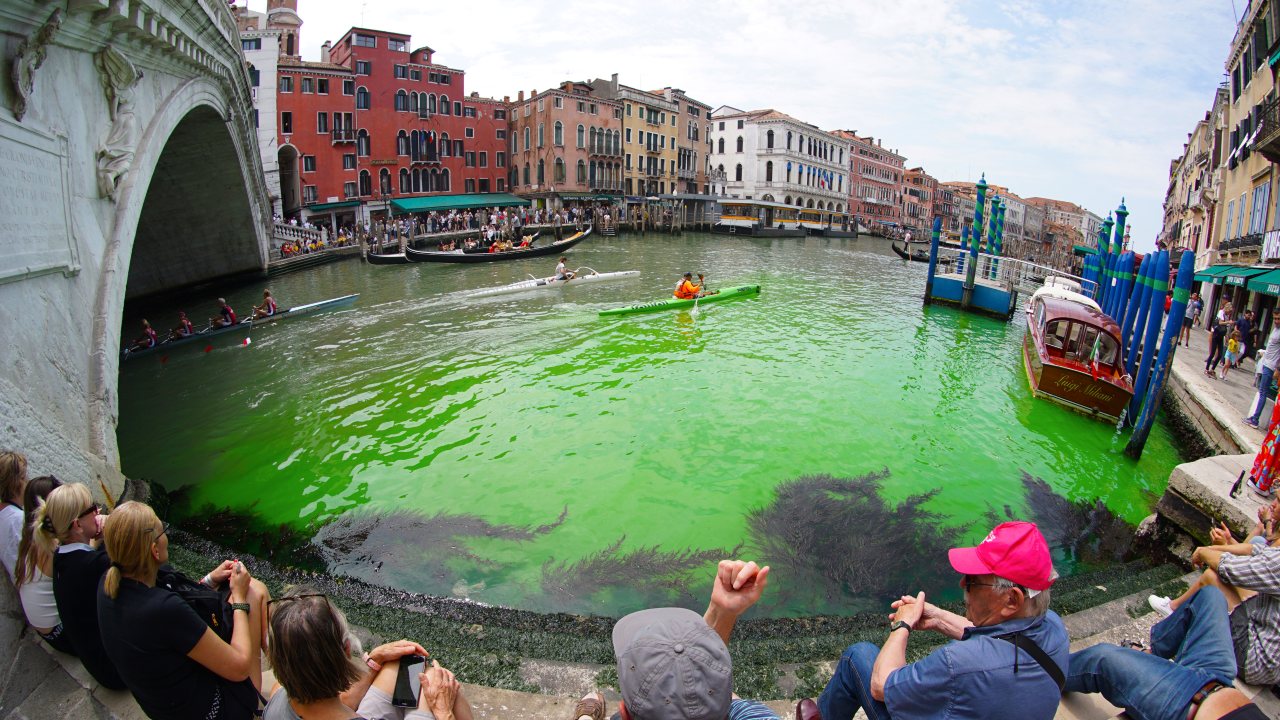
407, 683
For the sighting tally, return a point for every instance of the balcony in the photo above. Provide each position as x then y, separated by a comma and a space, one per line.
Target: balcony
343, 135
1267, 141
688, 174
424, 114
1196, 201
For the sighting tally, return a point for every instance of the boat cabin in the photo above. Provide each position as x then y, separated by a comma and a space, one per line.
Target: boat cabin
1073, 354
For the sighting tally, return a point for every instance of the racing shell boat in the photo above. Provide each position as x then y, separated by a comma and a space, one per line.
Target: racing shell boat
1073, 354
548, 282
672, 303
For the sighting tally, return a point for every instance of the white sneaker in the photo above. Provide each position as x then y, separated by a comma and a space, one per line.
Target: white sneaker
1160, 605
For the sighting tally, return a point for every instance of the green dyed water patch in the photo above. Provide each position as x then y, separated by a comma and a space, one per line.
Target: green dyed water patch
521, 451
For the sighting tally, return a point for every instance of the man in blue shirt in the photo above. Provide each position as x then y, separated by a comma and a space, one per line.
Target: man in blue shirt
1009, 655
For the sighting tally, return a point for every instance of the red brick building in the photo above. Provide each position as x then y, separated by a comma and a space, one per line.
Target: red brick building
374, 121
876, 177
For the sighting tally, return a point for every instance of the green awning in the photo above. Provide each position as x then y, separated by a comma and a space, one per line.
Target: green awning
325, 207
1084, 250
1240, 276
1274, 59
1215, 273
1267, 283
456, 202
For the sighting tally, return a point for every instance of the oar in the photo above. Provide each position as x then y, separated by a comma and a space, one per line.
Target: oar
253, 314
702, 290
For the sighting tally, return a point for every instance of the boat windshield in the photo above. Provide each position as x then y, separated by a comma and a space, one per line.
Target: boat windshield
1076, 341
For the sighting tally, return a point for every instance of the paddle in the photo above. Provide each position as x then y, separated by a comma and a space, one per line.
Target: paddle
702, 290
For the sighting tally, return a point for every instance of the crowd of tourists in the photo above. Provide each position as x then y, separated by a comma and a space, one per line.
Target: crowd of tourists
97, 585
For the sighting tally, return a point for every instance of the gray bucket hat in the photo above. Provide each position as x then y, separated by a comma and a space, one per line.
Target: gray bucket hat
672, 666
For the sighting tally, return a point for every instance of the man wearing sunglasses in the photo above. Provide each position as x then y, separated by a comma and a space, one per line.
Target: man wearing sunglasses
1009, 655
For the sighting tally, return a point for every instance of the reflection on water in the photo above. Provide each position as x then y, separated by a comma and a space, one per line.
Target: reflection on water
447, 435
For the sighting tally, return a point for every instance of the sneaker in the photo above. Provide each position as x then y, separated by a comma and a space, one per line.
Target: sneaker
1160, 605
1251, 423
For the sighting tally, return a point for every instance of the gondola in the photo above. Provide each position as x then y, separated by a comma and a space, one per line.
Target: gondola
244, 325
917, 255
460, 256
387, 259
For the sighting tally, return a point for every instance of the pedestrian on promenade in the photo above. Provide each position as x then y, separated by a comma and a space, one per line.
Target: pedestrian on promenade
1009, 654
1270, 359
1218, 339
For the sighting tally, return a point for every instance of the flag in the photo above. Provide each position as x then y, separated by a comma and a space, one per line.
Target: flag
1093, 356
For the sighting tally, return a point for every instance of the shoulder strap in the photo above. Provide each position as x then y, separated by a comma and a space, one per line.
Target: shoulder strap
1037, 653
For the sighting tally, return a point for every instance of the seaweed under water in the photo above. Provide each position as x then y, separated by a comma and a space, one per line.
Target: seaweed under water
649, 575
839, 539
410, 551
1086, 531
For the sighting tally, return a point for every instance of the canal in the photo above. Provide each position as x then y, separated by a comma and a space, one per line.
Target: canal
519, 450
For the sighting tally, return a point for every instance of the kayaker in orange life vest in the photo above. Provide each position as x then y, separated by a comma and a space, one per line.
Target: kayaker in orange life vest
687, 290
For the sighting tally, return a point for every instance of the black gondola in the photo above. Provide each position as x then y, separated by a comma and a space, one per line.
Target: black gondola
918, 255
459, 256
387, 259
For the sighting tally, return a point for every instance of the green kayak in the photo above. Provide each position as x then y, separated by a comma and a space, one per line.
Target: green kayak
669, 303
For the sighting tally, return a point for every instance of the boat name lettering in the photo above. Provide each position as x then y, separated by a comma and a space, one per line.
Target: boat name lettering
1067, 385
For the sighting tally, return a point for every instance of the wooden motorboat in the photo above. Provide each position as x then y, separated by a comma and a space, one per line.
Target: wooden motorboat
1073, 354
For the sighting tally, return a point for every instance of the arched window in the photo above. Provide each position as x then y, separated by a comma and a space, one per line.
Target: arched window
542, 134
739, 144
768, 139
557, 134
737, 173
528, 133
788, 139
254, 75
402, 101
406, 186
402, 143
431, 103
582, 136
840, 207
810, 202
559, 172
362, 98
444, 104
417, 180
413, 101
434, 180
582, 168
592, 146
444, 180
526, 173
720, 148
768, 167
788, 201
542, 171
592, 174
362, 143
384, 180
366, 183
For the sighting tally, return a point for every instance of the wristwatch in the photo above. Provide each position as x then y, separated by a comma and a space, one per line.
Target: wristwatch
900, 625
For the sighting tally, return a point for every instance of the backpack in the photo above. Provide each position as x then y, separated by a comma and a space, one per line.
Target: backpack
211, 605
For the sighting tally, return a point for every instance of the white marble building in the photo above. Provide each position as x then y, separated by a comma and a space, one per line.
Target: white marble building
769, 155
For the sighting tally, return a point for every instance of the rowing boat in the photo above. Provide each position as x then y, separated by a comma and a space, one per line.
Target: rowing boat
546, 282
461, 256
246, 324
671, 303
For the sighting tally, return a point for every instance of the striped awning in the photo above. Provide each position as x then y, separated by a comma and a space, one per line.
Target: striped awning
1267, 283
1214, 274
1239, 276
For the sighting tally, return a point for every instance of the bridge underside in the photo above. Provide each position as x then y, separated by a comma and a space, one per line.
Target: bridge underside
196, 222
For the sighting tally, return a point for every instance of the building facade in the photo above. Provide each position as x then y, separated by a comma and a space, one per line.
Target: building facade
565, 144
261, 41
693, 141
771, 156
875, 197
650, 128
919, 190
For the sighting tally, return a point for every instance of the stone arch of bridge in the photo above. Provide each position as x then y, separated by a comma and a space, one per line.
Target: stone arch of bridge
183, 214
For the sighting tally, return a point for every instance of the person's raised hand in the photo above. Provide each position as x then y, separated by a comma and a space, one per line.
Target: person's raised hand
738, 586
239, 582
384, 654
1221, 535
930, 615
910, 610
439, 691
222, 573
1198, 557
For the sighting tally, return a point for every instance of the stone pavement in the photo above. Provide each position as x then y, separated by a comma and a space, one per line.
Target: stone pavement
1224, 402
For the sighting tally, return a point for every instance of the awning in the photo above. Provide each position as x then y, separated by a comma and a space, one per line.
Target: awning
1084, 250
1267, 283
326, 207
456, 202
1239, 276
1215, 273
1274, 59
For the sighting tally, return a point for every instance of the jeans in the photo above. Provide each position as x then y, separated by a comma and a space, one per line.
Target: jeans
1264, 385
1216, 347
850, 687
1196, 637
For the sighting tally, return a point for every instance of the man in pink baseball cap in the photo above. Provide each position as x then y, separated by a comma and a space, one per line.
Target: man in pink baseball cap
1009, 654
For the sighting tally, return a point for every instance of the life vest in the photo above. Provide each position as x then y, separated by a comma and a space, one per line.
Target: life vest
686, 290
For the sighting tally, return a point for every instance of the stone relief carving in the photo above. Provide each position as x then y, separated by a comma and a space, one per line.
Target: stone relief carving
30, 56
115, 156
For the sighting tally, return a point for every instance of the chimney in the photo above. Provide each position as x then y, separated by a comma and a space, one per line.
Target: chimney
520, 96
506, 99
324, 51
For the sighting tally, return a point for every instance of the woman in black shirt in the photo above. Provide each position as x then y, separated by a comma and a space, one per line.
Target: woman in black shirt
176, 666
68, 526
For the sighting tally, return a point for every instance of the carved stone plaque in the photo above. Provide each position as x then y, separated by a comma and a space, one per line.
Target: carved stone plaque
35, 210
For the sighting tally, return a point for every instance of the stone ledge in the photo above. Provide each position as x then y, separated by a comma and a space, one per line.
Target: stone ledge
1198, 496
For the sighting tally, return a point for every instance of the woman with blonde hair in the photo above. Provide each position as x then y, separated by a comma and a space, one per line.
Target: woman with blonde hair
13, 480
68, 526
175, 665
312, 654
33, 574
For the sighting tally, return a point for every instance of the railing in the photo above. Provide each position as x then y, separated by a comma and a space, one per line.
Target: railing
1268, 138
688, 173
424, 114
1006, 271
343, 135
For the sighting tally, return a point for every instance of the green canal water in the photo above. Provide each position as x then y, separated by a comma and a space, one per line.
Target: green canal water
521, 451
